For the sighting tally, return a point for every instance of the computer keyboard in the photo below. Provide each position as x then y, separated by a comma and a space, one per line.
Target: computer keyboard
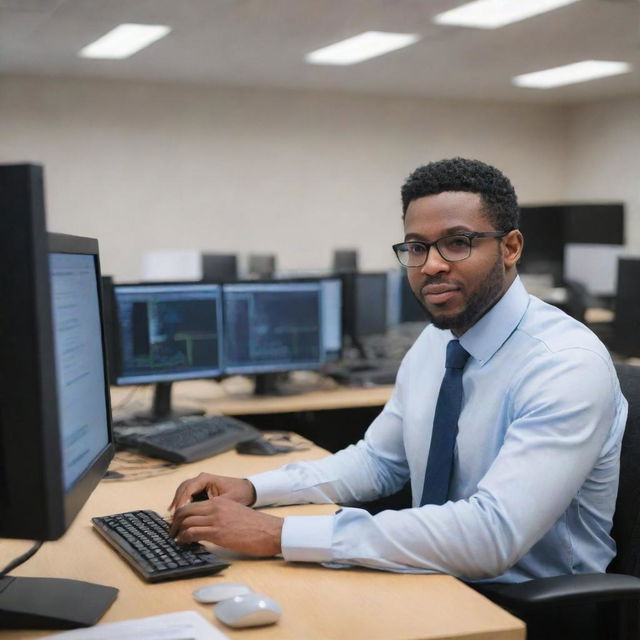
186, 439
142, 538
365, 373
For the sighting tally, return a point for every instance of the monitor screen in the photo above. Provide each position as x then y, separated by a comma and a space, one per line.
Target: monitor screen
168, 332
79, 362
273, 326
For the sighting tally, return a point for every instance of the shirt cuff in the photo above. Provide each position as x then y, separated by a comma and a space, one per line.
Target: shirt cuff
270, 486
307, 538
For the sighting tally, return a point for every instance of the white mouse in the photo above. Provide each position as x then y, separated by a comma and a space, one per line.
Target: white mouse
248, 610
220, 591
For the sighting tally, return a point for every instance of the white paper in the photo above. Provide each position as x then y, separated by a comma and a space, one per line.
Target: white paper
183, 625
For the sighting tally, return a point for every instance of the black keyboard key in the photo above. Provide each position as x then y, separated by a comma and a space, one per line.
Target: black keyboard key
142, 538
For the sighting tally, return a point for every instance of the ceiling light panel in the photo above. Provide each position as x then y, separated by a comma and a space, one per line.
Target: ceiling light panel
571, 74
493, 14
124, 41
361, 47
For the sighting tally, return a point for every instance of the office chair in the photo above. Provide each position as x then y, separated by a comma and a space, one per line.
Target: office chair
593, 606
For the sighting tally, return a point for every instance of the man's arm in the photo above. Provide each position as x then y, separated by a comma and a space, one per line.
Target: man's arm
555, 438
374, 467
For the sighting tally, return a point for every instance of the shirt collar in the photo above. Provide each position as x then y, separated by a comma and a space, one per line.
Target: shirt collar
487, 335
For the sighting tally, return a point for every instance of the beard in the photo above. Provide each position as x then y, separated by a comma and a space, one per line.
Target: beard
479, 302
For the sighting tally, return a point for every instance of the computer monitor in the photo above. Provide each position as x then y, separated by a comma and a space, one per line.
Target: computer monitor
55, 429
601, 223
543, 228
365, 306
166, 333
411, 310
345, 260
219, 267
280, 326
262, 266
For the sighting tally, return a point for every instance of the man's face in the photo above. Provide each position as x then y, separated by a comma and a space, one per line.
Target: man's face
455, 294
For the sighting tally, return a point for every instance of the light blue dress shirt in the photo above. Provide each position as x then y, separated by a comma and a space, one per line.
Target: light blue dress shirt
536, 464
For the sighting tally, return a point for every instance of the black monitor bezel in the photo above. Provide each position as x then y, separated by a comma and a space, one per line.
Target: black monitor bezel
117, 379
33, 501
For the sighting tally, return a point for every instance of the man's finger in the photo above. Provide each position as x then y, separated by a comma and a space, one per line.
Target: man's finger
195, 534
184, 493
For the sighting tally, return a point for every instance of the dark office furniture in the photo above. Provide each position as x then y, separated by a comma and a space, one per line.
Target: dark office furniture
219, 267
345, 261
548, 229
626, 325
577, 300
595, 606
543, 252
262, 266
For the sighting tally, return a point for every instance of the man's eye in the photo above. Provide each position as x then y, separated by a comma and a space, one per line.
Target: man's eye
416, 249
457, 242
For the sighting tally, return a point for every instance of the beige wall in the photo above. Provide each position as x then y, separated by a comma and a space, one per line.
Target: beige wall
143, 166
604, 158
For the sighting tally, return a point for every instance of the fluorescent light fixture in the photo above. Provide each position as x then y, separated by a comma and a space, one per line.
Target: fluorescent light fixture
361, 47
124, 41
493, 14
571, 73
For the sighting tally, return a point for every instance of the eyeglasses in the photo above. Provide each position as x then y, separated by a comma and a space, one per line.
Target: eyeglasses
452, 248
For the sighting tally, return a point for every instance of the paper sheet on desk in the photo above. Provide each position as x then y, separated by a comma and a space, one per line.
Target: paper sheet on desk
183, 625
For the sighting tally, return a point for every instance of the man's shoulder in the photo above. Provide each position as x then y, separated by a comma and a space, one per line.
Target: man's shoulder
545, 329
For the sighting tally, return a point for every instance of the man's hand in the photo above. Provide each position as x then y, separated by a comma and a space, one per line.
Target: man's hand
237, 489
228, 524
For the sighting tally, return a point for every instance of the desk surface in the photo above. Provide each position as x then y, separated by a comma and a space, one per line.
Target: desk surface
233, 397
317, 602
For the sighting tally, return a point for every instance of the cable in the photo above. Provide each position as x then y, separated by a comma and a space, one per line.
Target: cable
20, 559
123, 403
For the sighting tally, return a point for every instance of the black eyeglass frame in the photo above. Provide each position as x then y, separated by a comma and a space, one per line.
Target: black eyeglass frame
471, 236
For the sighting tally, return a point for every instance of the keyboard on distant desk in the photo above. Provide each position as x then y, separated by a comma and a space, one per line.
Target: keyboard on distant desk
365, 373
142, 538
186, 439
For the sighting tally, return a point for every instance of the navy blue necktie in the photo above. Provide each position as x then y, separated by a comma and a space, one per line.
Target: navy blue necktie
445, 428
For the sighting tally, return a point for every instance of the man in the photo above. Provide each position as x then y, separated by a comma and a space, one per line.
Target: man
528, 396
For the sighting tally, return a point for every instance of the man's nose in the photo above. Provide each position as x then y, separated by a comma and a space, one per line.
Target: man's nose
435, 263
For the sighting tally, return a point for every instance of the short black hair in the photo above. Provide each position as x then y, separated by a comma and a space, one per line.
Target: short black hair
460, 174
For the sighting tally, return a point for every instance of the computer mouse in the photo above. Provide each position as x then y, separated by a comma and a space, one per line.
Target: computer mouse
260, 447
220, 591
249, 610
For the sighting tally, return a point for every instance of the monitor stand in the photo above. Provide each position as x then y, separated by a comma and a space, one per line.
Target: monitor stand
270, 384
161, 408
52, 603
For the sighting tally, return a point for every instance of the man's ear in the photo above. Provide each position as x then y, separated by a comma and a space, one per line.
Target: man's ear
512, 248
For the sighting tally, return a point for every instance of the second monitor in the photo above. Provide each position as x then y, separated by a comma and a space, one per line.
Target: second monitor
280, 326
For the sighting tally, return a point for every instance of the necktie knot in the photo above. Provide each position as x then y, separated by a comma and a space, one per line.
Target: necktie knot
457, 356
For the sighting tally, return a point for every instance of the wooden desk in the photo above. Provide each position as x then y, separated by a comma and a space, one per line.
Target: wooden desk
317, 602
331, 415
234, 397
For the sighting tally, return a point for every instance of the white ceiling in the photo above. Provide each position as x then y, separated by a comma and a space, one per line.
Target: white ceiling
263, 42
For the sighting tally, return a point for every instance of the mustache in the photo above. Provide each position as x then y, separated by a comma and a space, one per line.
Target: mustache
438, 279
